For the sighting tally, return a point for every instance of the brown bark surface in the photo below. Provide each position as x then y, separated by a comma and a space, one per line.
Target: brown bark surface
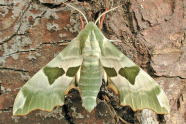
152, 34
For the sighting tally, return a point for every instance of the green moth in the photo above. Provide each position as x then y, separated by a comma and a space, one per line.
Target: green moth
85, 61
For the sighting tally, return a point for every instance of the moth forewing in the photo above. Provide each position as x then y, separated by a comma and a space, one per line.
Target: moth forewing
46, 89
136, 88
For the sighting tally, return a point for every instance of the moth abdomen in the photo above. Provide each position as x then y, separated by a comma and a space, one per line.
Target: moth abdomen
90, 82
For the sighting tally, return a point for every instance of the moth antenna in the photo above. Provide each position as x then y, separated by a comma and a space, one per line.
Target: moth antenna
105, 13
101, 23
82, 23
78, 11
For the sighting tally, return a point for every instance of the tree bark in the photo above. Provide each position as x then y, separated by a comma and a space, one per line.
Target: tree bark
152, 34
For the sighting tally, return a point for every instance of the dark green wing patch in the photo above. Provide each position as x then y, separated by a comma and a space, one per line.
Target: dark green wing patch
71, 72
111, 72
53, 73
130, 73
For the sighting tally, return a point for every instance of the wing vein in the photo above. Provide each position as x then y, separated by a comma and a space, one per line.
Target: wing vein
43, 101
30, 102
52, 100
153, 99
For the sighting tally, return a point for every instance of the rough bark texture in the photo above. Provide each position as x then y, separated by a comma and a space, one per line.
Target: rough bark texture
152, 35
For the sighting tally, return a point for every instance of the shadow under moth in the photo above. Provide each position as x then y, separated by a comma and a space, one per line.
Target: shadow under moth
85, 61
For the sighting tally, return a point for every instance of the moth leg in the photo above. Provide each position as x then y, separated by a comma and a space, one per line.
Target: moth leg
82, 23
101, 23
118, 118
112, 86
122, 120
114, 113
